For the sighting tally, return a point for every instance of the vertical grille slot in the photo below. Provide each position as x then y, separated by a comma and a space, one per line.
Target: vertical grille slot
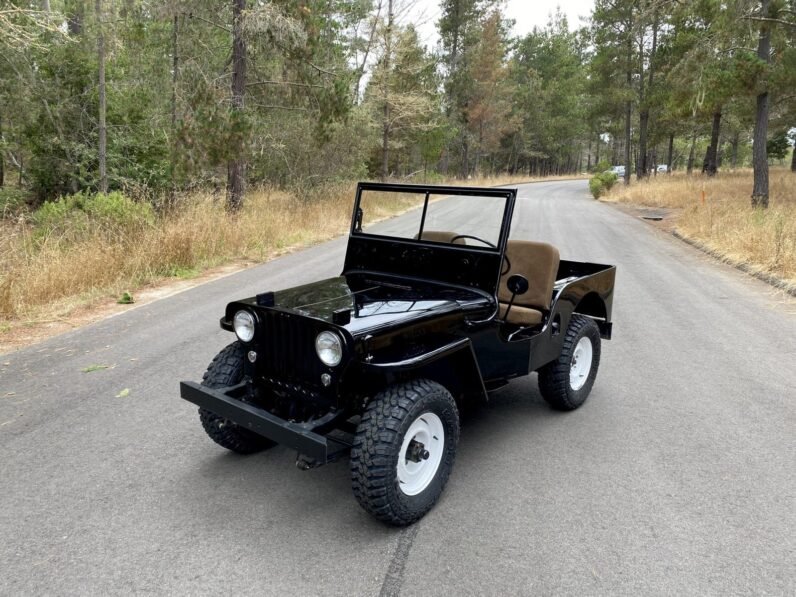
288, 344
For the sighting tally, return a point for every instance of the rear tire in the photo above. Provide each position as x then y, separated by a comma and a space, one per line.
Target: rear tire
226, 369
566, 382
404, 450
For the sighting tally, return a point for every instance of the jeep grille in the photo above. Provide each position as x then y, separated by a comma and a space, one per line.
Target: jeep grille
288, 348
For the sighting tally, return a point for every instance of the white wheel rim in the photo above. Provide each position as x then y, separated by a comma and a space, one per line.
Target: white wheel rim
581, 364
414, 477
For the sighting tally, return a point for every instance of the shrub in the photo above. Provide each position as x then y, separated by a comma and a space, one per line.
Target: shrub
601, 166
602, 183
596, 186
76, 216
609, 179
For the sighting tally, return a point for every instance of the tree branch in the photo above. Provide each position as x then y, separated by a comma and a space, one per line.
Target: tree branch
291, 83
770, 20
190, 15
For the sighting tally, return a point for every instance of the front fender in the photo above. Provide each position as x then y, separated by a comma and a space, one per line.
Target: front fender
447, 360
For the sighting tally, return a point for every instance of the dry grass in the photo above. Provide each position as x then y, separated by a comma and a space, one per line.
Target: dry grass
49, 277
725, 221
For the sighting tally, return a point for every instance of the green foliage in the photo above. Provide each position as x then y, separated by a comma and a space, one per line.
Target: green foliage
596, 186
76, 215
126, 299
778, 145
12, 202
609, 179
601, 183
602, 166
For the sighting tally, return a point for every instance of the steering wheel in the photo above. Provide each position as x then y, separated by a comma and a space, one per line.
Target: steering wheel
506, 270
481, 240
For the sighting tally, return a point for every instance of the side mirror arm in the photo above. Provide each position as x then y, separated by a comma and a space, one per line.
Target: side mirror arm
518, 285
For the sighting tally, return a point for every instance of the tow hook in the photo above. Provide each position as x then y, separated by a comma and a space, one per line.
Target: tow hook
304, 463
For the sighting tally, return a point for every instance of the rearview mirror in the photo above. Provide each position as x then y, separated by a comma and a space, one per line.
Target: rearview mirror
517, 284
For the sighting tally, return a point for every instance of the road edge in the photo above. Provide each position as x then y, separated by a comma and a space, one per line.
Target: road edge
743, 266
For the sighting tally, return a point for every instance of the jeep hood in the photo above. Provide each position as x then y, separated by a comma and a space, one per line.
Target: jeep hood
373, 302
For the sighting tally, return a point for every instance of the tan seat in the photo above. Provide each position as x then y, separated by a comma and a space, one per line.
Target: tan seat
538, 262
440, 236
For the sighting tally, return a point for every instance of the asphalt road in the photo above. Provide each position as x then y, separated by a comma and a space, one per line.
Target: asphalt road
676, 477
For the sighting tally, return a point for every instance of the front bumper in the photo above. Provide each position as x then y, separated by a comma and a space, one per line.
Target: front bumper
303, 437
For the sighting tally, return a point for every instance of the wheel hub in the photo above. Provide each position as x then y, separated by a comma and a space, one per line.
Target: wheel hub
581, 363
421, 453
417, 451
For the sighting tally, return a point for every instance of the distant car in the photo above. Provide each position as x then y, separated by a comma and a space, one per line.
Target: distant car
618, 170
663, 168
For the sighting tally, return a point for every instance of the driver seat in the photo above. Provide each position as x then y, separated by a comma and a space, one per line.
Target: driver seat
538, 262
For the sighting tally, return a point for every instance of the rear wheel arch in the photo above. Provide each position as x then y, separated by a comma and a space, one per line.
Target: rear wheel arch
593, 306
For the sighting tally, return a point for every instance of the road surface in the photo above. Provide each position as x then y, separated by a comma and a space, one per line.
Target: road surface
676, 477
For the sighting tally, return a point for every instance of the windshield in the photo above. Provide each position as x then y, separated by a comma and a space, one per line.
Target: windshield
474, 219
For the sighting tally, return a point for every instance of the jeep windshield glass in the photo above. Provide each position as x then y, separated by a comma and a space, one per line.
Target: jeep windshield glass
472, 220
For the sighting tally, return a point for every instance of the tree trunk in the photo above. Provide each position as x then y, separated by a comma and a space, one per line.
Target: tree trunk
736, 139
385, 133
74, 17
759, 149
361, 69
642, 166
670, 154
103, 149
2, 162
709, 165
175, 64
597, 152
691, 154
465, 170
629, 103
793, 159
588, 157
628, 115
236, 167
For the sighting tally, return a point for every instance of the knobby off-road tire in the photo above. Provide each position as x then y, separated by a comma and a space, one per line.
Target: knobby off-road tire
226, 369
566, 382
393, 488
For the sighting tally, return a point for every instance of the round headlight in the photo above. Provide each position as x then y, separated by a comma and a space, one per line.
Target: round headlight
244, 325
329, 348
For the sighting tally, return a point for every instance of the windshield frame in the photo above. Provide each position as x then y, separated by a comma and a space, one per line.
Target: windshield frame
509, 194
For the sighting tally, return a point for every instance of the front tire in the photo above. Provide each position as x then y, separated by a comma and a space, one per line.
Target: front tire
566, 382
404, 450
226, 369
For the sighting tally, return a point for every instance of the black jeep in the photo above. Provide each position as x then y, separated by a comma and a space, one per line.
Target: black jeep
432, 309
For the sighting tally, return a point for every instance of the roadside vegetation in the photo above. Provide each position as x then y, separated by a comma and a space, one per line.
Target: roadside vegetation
723, 220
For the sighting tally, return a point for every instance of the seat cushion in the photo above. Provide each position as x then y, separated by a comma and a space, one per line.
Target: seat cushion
441, 236
520, 315
538, 262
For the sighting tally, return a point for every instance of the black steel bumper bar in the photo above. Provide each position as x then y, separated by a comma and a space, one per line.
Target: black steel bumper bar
299, 436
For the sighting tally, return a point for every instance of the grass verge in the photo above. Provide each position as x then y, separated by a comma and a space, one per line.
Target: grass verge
724, 221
